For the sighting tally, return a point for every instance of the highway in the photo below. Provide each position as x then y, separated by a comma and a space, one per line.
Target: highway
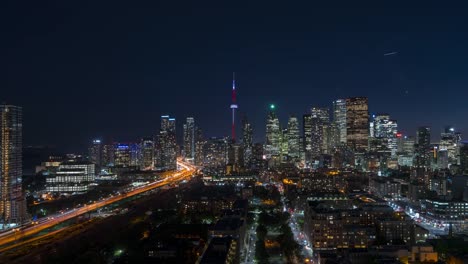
47, 222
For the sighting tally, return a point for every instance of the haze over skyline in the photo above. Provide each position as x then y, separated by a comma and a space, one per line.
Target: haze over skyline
112, 69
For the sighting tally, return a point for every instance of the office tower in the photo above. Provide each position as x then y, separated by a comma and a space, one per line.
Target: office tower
322, 113
13, 202
247, 141
147, 154
423, 147
450, 142
357, 123
385, 130
320, 119
273, 134
95, 152
405, 144
293, 139
405, 150
168, 146
71, 178
189, 138
307, 138
233, 108
339, 118
122, 155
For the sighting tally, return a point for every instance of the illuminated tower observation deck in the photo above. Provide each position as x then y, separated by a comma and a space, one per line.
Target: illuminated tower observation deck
233, 107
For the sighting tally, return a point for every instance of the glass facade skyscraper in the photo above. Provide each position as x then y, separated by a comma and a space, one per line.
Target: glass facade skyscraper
339, 118
273, 134
357, 123
168, 144
293, 138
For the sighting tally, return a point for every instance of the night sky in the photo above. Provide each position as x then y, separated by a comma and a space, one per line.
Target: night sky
111, 69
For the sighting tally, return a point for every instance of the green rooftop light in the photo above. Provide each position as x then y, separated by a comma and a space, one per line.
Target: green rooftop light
272, 106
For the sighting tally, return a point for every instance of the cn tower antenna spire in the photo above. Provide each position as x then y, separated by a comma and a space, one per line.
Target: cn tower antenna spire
233, 107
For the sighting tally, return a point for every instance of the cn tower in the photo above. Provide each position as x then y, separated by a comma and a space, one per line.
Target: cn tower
233, 107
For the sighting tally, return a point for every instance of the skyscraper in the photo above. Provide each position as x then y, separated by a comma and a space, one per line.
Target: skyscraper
307, 138
168, 145
95, 153
273, 134
339, 118
122, 155
385, 130
147, 154
107, 158
450, 141
320, 119
293, 138
13, 202
189, 138
317, 136
357, 123
199, 146
247, 141
423, 146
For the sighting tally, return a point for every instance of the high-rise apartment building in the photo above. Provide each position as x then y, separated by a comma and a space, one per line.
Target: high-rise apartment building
317, 136
357, 123
247, 141
199, 146
189, 138
12, 200
216, 152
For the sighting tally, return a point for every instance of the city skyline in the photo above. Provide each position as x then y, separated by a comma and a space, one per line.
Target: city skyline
168, 132
117, 78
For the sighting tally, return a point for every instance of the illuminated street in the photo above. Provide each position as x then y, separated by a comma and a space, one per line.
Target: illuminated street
44, 223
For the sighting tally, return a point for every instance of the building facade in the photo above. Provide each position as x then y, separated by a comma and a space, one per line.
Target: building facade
339, 118
12, 200
71, 178
357, 123
189, 138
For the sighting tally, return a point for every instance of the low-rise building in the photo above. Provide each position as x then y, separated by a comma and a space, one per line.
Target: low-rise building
71, 178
